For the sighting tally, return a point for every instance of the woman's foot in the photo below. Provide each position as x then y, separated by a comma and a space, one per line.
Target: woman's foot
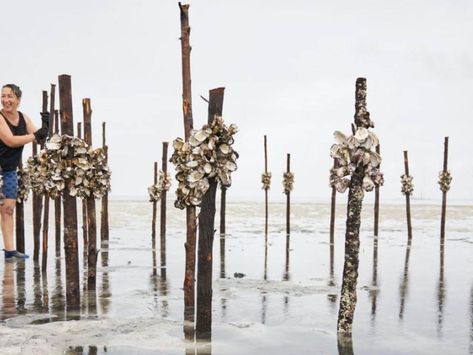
14, 254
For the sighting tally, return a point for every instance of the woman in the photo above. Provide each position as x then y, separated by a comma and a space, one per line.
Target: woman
16, 130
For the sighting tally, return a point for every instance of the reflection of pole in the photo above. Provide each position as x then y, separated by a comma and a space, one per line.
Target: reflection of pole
163, 212
444, 192
333, 210
408, 198
376, 203
405, 280
441, 290
332, 297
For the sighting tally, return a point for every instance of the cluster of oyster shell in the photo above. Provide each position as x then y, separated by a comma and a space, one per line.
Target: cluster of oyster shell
207, 154
85, 173
288, 182
445, 178
407, 184
266, 180
352, 151
155, 190
24, 185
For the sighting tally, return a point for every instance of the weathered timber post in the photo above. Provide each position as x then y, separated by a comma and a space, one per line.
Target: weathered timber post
288, 178
46, 197
407, 188
84, 208
57, 200
163, 212
266, 186
444, 180
365, 162
206, 236
155, 203
20, 221
90, 201
223, 204
333, 209
376, 203
189, 287
104, 228
69, 203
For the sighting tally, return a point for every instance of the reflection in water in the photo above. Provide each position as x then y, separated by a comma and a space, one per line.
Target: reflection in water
159, 285
345, 345
8, 286
286, 276
471, 321
332, 298
58, 299
403, 288
374, 279
263, 308
20, 287
441, 293
37, 289
199, 348
81, 350
105, 294
222, 256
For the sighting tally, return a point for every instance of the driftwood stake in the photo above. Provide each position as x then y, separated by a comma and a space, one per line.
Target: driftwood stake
90, 201
191, 222
20, 223
445, 186
84, 207
155, 204
408, 197
162, 233
104, 228
288, 200
223, 202
333, 210
266, 190
57, 200
206, 236
69, 203
376, 203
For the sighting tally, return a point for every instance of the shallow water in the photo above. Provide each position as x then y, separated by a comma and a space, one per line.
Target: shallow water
411, 300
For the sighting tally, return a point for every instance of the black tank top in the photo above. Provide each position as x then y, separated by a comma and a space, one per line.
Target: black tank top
10, 157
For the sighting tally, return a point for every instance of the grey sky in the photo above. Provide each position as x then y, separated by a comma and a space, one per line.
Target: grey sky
289, 68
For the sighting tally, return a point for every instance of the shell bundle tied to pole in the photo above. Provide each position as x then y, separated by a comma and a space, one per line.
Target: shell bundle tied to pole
155, 190
351, 151
407, 184
288, 182
445, 178
207, 154
86, 174
24, 185
266, 180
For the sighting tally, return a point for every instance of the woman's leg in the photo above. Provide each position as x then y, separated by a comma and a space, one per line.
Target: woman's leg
6, 211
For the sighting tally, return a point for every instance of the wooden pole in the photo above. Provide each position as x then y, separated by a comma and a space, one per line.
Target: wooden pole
206, 237
444, 193
333, 210
189, 289
90, 201
408, 198
104, 228
57, 200
288, 200
352, 234
155, 209
20, 222
265, 191
84, 206
164, 166
69, 203
376, 202
223, 198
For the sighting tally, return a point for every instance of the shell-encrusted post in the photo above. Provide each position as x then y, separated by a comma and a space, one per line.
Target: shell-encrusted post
356, 168
407, 189
154, 196
288, 185
24, 187
445, 178
266, 180
165, 181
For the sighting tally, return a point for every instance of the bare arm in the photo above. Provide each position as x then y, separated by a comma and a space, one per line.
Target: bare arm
7, 137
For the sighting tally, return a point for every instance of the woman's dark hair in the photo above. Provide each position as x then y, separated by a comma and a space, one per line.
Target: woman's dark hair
15, 88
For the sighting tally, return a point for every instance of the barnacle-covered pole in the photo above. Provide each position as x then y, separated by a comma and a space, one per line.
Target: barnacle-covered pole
20, 216
206, 237
84, 206
288, 183
189, 287
223, 203
266, 180
69, 202
46, 197
90, 201
355, 157
155, 203
162, 229
444, 180
104, 228
57, 200
407, 188
333, 208
376, 202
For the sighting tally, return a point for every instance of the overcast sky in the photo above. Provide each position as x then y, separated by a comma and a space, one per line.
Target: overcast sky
289, 69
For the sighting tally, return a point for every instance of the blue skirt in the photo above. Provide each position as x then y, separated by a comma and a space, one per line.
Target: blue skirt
10, 184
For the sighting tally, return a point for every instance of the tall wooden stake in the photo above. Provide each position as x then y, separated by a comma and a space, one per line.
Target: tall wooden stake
288, 200
265, 190
189, 288
333, 210
408, 199
376, 203
57, 200
223, 201
69, 203
155, 204
206, 237
84, 206
163, 213
90, 201
444, 193
20, 223
104, 228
